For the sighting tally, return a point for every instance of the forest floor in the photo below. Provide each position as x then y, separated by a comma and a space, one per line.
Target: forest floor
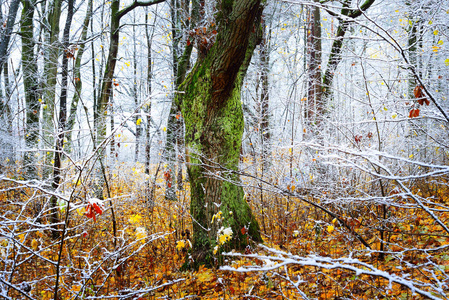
151, 246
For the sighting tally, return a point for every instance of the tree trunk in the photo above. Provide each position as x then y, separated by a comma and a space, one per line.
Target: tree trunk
265, 99
213, 114
6, 33
51, 73
314, 107
175, 131
106, 87
30, 82
334, 57
77, 75
147, 106
59, 146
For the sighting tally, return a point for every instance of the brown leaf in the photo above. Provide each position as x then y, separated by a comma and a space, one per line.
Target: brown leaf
414, 113
418, 91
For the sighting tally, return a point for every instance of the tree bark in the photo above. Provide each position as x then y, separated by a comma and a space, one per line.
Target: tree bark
53, 52
77, 75
213, 114
6, 33
175, 133
334, 57
30, 82
59, 146
106, 87
314, 107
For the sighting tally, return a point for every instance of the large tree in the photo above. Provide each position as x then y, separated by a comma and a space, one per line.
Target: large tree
212, 109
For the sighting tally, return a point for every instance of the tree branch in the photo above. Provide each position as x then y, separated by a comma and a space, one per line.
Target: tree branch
135, 4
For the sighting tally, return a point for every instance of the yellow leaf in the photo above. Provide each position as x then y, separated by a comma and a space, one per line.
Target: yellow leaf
81, 211
164, 129
180, 244
440, 42
139, 120
34, 244
411, 156
446, 61
330, 228
22, 237
135, 219
435, 32
76, 288
205, 275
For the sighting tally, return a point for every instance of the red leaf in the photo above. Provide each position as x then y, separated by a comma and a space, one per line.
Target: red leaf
97, 209
358, 138
414, 113
188, 42
167, 177
244, 230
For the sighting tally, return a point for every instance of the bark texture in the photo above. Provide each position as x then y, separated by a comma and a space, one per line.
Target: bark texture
31, 87
212, 110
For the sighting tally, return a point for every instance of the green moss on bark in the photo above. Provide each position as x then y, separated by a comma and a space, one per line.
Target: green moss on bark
213, 140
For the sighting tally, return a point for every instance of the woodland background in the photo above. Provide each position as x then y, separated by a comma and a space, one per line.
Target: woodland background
344, 158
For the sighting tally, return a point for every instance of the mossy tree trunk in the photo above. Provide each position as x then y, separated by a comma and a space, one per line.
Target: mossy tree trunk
212, 110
